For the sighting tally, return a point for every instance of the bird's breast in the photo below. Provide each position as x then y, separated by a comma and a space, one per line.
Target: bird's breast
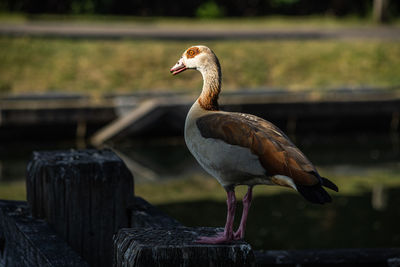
229, 164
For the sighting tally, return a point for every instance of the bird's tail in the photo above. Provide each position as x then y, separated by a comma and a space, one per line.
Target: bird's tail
316, 193
327, 183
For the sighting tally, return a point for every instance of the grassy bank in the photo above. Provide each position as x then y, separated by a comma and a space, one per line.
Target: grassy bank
199, 187
41, 65
12, 190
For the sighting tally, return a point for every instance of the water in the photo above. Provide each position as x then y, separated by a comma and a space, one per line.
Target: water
356, 152
364, 214
285, 221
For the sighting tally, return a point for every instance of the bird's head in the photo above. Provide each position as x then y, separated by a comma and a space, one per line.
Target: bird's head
196, 57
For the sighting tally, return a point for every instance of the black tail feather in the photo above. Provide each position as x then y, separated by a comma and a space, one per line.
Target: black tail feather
327, 183
314, 193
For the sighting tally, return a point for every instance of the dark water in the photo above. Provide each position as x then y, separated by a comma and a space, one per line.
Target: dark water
170, 158
285, 221
280, 221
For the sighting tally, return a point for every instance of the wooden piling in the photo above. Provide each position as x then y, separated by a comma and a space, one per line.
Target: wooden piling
84, 195
142, 247
25, 241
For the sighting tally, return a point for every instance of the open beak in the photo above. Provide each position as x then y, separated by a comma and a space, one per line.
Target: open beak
178, 68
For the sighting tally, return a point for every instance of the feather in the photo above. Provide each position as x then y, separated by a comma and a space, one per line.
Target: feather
276, 153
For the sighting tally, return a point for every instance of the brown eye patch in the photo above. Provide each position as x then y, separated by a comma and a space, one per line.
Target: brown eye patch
192, 52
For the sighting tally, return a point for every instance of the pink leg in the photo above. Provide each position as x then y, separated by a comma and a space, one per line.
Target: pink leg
239, 234
227, 235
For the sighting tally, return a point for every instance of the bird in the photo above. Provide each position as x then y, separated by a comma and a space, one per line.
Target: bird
241, 149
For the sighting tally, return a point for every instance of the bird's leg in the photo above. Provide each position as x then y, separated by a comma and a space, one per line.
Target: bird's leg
227, 235
239, 234
230, 217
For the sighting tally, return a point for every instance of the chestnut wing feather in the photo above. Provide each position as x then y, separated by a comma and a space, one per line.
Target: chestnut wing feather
277, 154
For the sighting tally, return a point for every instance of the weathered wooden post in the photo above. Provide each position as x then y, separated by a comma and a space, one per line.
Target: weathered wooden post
26, 241
84, 195
142, 247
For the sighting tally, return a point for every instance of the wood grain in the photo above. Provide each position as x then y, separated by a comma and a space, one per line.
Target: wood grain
84, 195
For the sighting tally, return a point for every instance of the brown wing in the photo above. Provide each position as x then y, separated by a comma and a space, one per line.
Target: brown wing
277, 154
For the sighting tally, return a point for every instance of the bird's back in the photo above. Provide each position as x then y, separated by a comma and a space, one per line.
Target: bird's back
241, 148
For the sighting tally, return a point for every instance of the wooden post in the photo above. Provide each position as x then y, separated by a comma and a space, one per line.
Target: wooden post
25, 241
142, 247
84, 195
380, 9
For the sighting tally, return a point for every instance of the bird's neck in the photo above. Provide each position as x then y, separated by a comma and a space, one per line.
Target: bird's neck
208, 98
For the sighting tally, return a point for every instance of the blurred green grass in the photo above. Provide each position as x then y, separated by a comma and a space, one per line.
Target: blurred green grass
205, 187
200, 187
12, 190
92, 66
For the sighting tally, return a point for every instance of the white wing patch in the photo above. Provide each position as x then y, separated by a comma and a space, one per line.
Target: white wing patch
283, 181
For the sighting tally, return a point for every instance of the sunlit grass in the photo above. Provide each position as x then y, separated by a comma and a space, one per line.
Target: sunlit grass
365, 180
41, 65
201, 187
204, 187
13, 190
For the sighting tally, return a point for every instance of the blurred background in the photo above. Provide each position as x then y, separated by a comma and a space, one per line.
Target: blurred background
95, 73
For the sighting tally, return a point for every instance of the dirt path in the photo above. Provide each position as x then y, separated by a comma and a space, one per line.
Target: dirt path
103, 31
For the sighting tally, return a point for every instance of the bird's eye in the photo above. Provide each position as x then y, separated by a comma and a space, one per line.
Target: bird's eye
192, 52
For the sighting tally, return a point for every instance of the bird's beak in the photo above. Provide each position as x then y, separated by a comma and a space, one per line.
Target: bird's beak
178, 68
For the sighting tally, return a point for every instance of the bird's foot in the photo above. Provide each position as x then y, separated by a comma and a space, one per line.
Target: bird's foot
238, 235
220, 238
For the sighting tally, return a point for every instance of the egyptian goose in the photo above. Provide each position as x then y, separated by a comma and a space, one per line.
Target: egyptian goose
241, 149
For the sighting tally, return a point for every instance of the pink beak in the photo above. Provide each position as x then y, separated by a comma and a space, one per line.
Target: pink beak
178, 68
